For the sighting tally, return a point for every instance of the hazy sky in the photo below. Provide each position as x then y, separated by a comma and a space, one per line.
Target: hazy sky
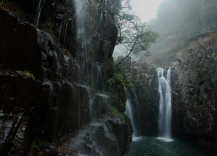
146, 9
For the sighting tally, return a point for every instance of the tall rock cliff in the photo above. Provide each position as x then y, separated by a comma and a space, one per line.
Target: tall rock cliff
53, 79
196, 83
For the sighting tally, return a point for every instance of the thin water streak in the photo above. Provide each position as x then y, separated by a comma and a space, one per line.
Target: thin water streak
38, 12
129, 113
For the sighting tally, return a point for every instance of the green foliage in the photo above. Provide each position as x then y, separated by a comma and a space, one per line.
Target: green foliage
28, 74
37, 147
114, 111
118, 81
133, 35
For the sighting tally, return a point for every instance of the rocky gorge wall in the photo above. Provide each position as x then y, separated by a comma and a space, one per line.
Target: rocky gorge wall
144, 96
196, 82
193, 82
145, 100
47, 97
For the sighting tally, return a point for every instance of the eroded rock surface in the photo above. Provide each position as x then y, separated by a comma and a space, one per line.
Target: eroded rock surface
44, 99
196, 81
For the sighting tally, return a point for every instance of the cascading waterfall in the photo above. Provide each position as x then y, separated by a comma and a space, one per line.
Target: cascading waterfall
81, 33
66, 28
63, 30
136, 111
129, 113
165, 111
38, 12
82, 54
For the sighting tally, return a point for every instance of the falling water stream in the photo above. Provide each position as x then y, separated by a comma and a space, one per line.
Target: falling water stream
141, 146
165, 111
163, 145
81, 34
98, 97
38, 12
130, 114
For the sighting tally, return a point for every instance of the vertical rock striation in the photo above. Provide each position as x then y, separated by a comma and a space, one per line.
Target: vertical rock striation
46, 98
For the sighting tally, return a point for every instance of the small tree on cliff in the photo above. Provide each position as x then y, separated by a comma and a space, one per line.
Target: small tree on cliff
132, 34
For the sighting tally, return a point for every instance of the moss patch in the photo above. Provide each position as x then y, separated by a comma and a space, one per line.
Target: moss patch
28, 74
114, 111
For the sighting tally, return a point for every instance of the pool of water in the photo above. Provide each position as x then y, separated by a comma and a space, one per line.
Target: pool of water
150, 146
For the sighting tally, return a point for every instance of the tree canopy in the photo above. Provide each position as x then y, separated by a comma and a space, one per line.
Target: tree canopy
132, 33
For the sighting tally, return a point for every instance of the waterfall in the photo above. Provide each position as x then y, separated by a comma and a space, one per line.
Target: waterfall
129, 113
38, 12
81, 33
66, 28
136, 111
60, 31
165, 111
135, 96
100, 79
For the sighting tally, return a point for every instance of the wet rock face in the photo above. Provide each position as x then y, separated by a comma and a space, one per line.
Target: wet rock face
17, 42
177, 108
145, 101
196, 78
25, 48
73, 109
24, 112
144, 98
147, 94
107, 137
27, 67
41, 100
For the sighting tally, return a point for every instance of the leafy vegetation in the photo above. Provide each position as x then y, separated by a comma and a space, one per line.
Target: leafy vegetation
118, 81
28, 74
37, 147
134, 35
114, 111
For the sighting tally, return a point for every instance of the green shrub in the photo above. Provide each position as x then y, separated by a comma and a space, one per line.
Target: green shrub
118, 82
114, 111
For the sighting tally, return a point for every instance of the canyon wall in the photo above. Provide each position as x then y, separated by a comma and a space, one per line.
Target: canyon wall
50, 93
